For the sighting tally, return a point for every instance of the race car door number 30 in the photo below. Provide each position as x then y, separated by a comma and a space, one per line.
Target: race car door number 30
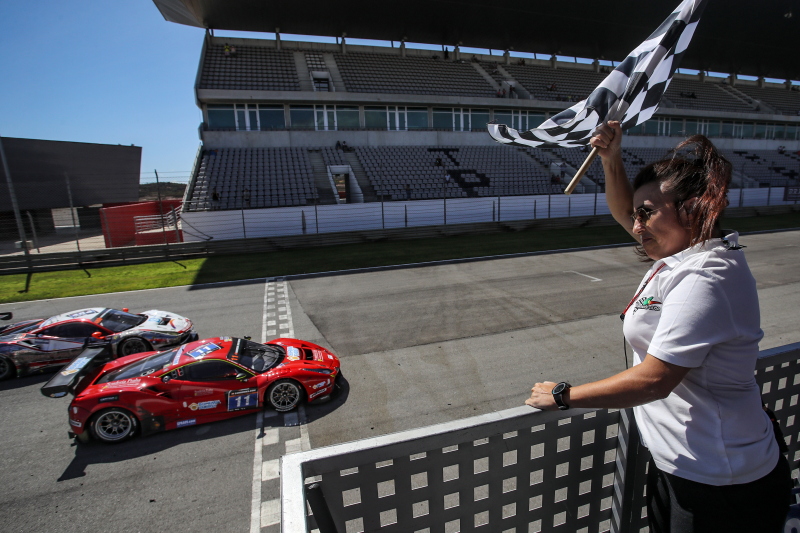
243, 399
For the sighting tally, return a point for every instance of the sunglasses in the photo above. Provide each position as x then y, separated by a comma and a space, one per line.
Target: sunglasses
643, 214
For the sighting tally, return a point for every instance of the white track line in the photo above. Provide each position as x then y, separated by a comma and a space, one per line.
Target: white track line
584, 275
276, 319
255, 504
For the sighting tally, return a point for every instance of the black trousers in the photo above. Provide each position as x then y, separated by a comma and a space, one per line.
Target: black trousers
677, 505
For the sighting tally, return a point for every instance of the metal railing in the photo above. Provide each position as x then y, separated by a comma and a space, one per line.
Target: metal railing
256, 222
169, 221
518, 469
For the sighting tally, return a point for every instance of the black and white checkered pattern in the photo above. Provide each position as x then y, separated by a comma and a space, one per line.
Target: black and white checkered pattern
630, 94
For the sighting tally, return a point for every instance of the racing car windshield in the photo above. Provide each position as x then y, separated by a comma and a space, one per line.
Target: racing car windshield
118, 321
140, 368
261, 357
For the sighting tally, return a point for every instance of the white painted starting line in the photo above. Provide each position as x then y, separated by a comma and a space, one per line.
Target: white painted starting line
276, 322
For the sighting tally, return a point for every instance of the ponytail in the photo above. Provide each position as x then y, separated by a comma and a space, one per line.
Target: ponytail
701, 173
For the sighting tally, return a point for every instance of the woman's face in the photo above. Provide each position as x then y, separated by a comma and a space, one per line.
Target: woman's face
666, 232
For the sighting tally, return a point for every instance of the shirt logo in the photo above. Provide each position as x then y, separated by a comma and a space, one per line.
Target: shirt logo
648, 303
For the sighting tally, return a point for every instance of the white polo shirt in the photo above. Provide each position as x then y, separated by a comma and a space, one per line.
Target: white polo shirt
701, 311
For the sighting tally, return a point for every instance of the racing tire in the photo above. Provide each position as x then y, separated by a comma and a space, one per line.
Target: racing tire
113, 425
7, 369
284, 395
132, 346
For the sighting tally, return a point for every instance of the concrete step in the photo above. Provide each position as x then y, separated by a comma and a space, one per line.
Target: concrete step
361, 177
302, 71
336, 76
321, 179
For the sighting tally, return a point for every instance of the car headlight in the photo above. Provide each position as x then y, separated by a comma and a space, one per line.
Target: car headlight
320, 370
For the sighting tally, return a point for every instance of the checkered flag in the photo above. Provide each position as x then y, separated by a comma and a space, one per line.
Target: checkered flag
630, 94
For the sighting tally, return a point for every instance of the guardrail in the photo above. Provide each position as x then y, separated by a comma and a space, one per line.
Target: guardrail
168, 220
210, 239
518, 469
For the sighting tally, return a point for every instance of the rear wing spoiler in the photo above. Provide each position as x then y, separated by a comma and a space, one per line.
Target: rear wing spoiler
66, 381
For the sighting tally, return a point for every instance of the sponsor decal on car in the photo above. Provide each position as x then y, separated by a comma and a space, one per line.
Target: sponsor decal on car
315, 394
202, 351
320, 384
225, 339
82, 312
204, 392
76, 365
75, 423
184, 423
113, 398
178, 355
292, 353
243, 399
205, 405
130, 382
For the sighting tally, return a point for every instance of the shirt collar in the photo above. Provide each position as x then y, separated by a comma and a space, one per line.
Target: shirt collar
730, 241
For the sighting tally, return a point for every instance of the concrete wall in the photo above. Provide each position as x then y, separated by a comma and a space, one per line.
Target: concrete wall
98, 173
307, 138
253, 223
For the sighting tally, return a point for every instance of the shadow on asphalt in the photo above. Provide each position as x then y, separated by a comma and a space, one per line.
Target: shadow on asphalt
27, 381
95, 452
338, 399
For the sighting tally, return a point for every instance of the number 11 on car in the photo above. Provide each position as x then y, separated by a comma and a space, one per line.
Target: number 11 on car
243, 399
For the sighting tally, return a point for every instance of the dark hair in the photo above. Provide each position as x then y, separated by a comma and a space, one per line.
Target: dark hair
701, 172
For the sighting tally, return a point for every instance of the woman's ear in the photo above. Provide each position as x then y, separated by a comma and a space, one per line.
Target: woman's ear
688, 211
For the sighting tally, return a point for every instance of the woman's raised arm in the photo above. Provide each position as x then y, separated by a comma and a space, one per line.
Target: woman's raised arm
619, 193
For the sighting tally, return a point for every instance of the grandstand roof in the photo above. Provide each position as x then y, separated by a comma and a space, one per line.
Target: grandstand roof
733, 36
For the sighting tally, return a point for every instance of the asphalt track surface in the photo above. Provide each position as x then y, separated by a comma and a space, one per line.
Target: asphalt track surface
418, 346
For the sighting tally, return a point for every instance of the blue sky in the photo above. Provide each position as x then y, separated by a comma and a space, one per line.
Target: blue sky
111, 72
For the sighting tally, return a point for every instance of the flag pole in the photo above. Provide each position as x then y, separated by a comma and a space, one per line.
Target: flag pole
581, 171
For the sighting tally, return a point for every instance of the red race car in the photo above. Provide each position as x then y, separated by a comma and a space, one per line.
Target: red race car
198, 382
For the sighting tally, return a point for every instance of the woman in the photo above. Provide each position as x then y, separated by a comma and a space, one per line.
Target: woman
694, 327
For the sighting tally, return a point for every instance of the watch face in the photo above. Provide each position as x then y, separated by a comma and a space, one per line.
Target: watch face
558, 389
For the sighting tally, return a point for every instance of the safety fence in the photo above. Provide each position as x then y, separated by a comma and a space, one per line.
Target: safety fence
516, 470
311, 219
73, 237
62, 216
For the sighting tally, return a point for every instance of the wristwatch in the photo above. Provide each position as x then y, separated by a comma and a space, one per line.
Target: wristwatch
558, 390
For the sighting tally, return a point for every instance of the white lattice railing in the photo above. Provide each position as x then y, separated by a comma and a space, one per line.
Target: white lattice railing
577, 471
168, 221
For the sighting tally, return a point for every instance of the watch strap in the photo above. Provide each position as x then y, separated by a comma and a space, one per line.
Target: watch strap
558, 392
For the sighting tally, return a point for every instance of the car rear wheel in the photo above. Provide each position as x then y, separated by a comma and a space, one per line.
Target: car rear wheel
284, 395
113, 425
7, 369
132, 346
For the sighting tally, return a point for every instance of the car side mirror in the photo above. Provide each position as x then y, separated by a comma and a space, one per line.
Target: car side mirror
97, 335
242, 376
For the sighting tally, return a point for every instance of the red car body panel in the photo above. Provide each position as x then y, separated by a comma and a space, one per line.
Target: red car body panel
161, 404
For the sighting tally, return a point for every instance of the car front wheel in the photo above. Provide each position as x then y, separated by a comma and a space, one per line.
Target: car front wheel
284, 395
113, 425
132, 346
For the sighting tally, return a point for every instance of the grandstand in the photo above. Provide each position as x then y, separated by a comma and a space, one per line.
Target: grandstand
292, 123
283, 120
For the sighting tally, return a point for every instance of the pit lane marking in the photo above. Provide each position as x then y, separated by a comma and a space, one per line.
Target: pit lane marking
584, 275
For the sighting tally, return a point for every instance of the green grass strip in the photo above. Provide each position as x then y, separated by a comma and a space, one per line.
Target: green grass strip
21, 287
